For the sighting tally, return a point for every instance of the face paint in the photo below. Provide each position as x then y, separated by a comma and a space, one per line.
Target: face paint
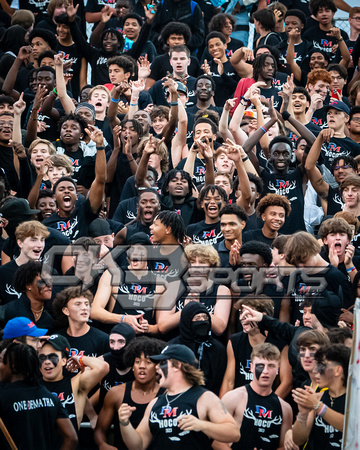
206, 205
311, 354
164, 368
219, 205
259, 370
53, 358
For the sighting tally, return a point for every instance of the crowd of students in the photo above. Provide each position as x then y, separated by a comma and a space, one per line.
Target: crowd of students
182, 230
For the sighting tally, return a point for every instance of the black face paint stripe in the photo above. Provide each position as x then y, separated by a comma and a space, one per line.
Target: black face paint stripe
259, 368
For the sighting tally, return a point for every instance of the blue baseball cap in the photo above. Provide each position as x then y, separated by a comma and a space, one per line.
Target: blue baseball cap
340, 106
22, 326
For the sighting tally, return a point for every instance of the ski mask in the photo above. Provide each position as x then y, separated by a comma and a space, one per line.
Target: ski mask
200, 329
128, 333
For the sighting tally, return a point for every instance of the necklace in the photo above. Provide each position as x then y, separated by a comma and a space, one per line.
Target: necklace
168, 402
37, 314
331, 401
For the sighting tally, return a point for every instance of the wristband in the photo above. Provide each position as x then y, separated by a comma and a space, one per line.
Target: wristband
350, 269
124, 424
115, 100
264, 129
133, 104
246, 158
80, 360
54, 91
122, 318
100, 148
134, 99
285, 115
245, 99
174, 103
323, 411
340, 40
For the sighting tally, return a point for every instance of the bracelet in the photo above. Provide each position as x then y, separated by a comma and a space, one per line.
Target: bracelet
33, 118
54, 91
317, 406
133, 104
323, 411
285, 115
129, 160
264, 129
174, 103
100, 148
246, 158
122, 318
115, 100
80, 360
124, 424
351, 269
241, 103
245, 99
340, 40
302, 417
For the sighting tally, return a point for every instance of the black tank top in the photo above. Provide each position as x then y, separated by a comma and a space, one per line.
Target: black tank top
322, 434
163, 422
242, 352
261, 425
63, 390
136, 416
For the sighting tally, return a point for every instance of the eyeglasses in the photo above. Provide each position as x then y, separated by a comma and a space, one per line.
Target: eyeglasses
356, 119
345, 166
355, 18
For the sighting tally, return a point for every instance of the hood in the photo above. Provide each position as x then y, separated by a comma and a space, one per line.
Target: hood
187, 314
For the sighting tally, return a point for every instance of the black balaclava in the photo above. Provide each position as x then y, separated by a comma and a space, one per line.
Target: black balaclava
128, 333
191, 332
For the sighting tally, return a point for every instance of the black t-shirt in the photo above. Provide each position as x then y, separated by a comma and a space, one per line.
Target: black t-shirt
157, 92
205, 233
199, 170
161, 65
7, 290
256, 235
319, 117
21, 307
76, 225
30, 414
7, 163
334, 201
225, 83
288, 185
301, 52
93, 343
320, 40
338, 147
126, 210
72, 53
62, 390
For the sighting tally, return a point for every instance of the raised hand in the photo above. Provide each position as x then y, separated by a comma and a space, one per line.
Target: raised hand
233, 151
317, 101
24, 53
230, 103
71, 10
294, 34
18, 148
254, 88
125, 412
289, 85
20, 105
96, 135
205, 149
220, 66
40, 95
327, 134
58, 59
248, 54
106, 13
335, 32
143, 67
150, 14
206, 68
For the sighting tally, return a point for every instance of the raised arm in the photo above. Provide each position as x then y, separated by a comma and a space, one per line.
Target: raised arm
239, 62
106, 14
290, 58
66, 101
85, 48
179, 141
169, 128
234, 153
149, 149
97, 188
33, 121
9, 82
224, 119
316, 179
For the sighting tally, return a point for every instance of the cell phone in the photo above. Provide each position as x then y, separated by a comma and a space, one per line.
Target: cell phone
336, 93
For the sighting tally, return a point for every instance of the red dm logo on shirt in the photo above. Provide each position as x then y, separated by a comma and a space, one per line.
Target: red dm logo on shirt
137, 289
200, 170
333, 148
303, 289
62, 226
208, 234
281, 184
326, 43
168, 411
161, 267
263, 413
316, 121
